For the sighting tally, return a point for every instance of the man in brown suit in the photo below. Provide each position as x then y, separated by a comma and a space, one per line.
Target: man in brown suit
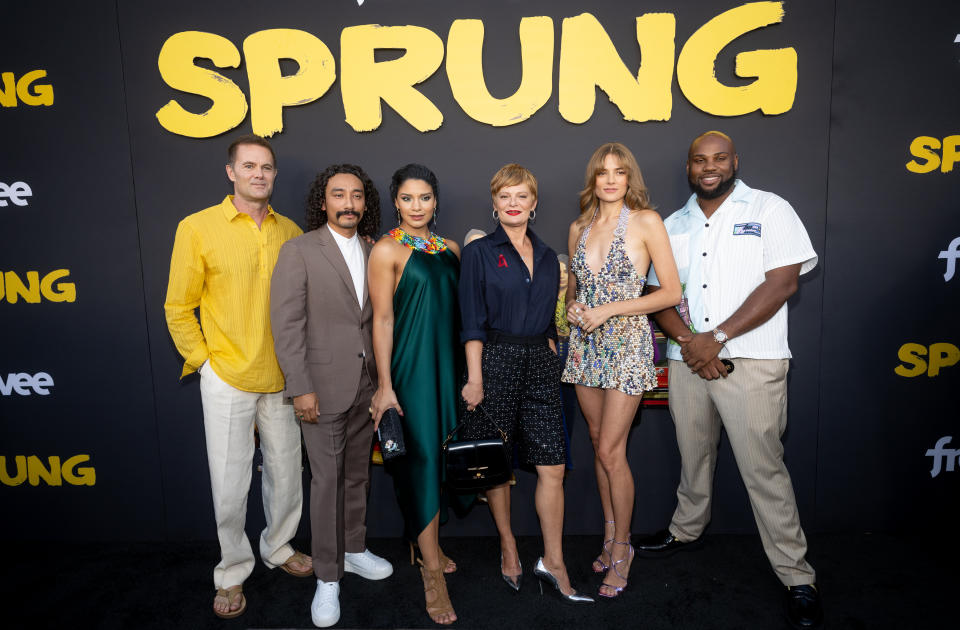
321, 315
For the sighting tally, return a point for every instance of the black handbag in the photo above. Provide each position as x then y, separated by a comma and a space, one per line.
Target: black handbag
390, 434
474, 465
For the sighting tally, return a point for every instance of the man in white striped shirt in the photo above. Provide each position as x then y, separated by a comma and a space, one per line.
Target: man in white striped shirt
739, 253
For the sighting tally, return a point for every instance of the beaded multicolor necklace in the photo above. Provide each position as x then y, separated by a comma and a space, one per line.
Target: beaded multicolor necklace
432, 245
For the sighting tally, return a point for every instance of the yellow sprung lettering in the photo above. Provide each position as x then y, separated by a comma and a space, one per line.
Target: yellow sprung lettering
85, 476
776, 70
16, 289
62, 291
19, 477
364, 81
179, 72
588, 59
465, 72
910, 354
942, 355
925, 148
37, 471
951, 153
42, 94
8, 95
13, 288
270, 91
33, 470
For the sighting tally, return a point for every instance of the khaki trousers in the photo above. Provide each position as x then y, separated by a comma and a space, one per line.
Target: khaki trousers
338, 446
229, 415
751, 404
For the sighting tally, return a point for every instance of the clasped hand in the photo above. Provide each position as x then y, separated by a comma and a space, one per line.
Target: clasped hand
588, 319
700, 352
306, 407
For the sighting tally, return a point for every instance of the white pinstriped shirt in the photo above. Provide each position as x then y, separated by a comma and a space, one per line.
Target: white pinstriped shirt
721, 260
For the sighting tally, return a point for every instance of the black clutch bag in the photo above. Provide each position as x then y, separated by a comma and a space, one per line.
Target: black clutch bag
474, 465
390, 434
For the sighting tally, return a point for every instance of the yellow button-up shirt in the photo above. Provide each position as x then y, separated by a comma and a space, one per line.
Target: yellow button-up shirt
222, 263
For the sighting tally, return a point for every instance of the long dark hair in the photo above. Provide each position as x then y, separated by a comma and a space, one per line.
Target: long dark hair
316, 217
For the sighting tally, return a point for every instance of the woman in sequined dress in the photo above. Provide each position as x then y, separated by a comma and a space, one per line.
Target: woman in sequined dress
413, 276
612, 244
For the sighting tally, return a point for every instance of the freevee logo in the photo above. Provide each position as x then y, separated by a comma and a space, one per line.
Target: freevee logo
12, 287
15, 192
929, 150
33, 470
22, 383
950, 254
940, 452
940, 355
26, 88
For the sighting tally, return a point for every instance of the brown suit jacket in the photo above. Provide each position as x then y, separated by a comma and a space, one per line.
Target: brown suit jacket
321, 334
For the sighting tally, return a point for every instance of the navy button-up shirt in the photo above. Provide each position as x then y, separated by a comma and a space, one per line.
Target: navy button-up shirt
497, 292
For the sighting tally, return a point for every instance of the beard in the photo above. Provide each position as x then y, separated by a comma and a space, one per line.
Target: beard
722, 188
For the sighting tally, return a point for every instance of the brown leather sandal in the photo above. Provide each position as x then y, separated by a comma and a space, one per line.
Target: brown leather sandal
230, 594
299, 558
449, 566
435, 594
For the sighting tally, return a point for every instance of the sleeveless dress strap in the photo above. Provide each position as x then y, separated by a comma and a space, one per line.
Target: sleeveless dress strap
586, 231
621, 230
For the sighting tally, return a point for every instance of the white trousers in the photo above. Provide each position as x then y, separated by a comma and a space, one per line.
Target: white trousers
229, 416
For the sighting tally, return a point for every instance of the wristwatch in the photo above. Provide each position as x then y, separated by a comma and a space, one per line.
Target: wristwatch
719, 336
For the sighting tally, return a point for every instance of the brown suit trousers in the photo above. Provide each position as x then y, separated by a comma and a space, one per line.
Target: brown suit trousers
322, 336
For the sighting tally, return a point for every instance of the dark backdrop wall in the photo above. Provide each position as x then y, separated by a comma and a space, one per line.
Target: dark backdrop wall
100, 440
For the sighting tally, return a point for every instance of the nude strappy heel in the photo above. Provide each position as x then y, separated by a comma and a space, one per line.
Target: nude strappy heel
617, 589
435, 593
604, 567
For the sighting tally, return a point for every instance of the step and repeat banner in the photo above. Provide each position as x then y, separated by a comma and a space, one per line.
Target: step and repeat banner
115, 124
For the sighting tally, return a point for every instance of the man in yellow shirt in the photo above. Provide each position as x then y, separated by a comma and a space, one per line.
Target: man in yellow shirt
222, 261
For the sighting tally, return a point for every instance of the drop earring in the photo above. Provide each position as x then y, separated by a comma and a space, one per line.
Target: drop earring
398, 216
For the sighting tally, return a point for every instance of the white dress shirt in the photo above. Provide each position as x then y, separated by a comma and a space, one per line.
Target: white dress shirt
353, 255
721, 260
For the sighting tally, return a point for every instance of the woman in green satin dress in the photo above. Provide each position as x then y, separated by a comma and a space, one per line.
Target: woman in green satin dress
413, 276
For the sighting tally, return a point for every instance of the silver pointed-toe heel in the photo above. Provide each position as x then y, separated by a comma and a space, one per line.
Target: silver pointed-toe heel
545, 576
513, 581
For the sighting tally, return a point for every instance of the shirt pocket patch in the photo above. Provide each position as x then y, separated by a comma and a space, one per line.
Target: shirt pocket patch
746, 229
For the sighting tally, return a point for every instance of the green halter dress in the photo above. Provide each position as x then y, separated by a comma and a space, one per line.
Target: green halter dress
426, 368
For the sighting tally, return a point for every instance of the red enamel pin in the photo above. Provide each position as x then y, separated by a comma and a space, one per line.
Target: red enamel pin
502, 262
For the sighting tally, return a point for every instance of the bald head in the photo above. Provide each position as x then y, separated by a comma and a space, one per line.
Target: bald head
715, 138
712, 166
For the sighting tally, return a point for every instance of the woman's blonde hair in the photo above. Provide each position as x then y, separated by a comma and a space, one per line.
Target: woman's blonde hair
513, 175
636, 198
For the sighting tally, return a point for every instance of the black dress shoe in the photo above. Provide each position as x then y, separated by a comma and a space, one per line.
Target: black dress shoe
662, 544
802, 605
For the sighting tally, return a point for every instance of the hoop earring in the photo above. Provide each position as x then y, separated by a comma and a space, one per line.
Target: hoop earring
533, 216
496, 217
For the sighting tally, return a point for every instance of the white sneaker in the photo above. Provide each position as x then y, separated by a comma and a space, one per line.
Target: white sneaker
367, 564
325, 608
